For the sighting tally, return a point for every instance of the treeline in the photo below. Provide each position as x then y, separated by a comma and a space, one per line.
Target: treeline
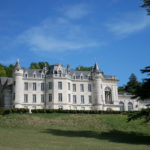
6, 71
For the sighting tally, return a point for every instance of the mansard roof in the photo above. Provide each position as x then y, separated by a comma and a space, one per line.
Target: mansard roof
6, 80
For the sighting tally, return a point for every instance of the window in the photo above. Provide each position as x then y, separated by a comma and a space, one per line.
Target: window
50, 85
60, 107
81, 77
74, 99
81, 87
90, 99
34, 75
26, 75
26, 86
69, 98
68, 86
34, 86
26, 98
130, 106
60, 97
89, 88
50, 97
42, 86
60, 85
42, 98
121, 106
82, 99
43, 76
34, 98
74, 87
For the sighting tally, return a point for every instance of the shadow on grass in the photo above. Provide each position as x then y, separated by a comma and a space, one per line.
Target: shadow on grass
112, 136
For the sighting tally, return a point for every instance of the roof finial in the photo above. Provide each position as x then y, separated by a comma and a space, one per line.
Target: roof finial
17, 66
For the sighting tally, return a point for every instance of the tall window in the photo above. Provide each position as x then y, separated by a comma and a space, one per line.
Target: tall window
42, 98
34, 98
89, 88
50, 85
130, 106
81, 87
74, 87
60, 97
50, 97
68, 85
82, 99
34, 86
42, 86
90, 99
121, 106
69, 98
108, 96
25, 98
74, 99
26, 86
59, 85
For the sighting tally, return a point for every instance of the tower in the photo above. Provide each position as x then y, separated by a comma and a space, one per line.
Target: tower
18, 85
97, 90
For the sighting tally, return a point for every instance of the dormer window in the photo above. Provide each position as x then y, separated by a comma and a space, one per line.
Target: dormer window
42, 75
74, 77
26, 75
34, 76
81, 77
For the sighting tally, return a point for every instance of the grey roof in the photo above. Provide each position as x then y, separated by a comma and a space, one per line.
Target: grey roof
30, 72
96, 68
6, 80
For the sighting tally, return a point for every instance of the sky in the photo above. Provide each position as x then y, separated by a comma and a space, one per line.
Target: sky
113, 33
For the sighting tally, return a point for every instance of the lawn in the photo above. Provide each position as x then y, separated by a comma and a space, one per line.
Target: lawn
72, 132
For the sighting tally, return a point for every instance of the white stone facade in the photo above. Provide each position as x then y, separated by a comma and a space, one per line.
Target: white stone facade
60, 88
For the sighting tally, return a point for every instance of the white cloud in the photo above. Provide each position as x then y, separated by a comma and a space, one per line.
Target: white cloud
56, 35
76, 11
129, 24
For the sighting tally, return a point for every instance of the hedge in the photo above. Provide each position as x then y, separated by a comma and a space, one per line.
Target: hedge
81, 111
24, 110
13, 110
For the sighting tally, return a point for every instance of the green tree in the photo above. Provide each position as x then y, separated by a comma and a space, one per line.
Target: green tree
121, 89
146, 5
132, 85
39, 65
3, 71
83, 68
144, 91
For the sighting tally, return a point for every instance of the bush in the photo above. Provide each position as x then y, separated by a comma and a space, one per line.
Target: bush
81, 111
14, 110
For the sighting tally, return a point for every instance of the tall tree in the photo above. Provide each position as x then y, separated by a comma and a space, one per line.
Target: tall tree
144, 91
132, 84
146, 5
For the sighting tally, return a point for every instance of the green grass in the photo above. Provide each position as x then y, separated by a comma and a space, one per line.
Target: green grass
72, 132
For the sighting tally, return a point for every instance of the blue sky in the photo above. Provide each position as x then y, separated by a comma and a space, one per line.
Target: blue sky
115, 33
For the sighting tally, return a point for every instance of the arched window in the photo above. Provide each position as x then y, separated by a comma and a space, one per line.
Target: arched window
130, 106
121, 106
108, 96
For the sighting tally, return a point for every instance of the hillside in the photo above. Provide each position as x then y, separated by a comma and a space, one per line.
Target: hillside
72, 132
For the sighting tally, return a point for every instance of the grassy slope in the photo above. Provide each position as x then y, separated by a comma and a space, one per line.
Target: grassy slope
72, 132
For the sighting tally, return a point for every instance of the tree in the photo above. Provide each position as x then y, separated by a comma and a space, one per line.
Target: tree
121, 89
83, 68
144, 91
39, 65
146, 5
132, 84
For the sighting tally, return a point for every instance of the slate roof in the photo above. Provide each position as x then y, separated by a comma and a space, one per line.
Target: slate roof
3, 80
